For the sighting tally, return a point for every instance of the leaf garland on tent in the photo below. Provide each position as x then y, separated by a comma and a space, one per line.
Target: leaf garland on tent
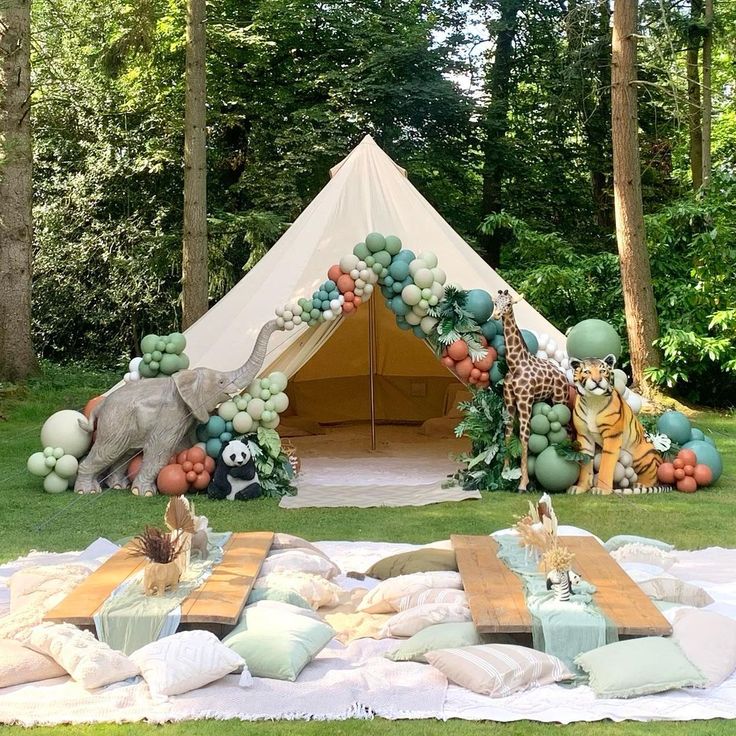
455, 323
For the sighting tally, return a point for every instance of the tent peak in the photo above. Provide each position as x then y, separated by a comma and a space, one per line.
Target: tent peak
359, 153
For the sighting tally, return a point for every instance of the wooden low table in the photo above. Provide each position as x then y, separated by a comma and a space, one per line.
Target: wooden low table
496, 595
216, 605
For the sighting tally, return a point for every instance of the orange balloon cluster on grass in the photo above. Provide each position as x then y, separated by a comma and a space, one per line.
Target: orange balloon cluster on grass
685, 472
189, 470
456, 357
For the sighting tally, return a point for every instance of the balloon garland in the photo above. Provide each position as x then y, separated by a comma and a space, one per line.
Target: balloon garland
160, 355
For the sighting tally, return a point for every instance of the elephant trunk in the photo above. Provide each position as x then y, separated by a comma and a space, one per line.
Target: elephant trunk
247, 372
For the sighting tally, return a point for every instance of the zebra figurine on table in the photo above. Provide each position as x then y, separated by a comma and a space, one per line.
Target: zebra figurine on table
560, 582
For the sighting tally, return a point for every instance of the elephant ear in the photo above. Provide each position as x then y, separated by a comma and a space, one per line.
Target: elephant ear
188, 384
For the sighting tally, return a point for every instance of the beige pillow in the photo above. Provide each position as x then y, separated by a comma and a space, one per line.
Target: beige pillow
645, 554
90, 662
289, 541
44, 585
317, 591
18, 665
675, 591
426, 559
378, 600
299, 560
498, 669
708, 640
433, 595
413, 620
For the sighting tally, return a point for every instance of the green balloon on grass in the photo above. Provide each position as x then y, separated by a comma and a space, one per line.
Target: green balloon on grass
213, 447
36, 465
66, 466
593, 338
553, 472
177, 342
361, 250
54, 483
479, 303
540, 424
148, 343
708, 455
489, 330
392, 245
675, 425
538, 443
532, 344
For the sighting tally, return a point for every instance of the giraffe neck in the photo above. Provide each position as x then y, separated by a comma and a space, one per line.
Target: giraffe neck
516, 350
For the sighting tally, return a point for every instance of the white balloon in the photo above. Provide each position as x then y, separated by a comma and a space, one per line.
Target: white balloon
126, 378
280, 321
543, 339
437, 290
342, 298
565, 364
413, 318
348, 263
297, 320
359, 283
419, 310
355, 274
361, 265
135, 376
358, 291
626, 393
297, 310
541, 354
280, 402
335, 304
134, 364
416, 265
634, 401
368, 289
433, 301
560, 355
279, 311
328, 315
620, 379
570, 374
439, 275
288, 325
288, 314
427, 324
429, 258
551, 347
365, 274
242, 422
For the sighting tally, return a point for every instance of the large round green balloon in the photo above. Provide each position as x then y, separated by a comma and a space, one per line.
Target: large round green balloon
361, 250
383, 257
708, 455
531, 462
399, 306
399, 270
148, 343
553, 472
169, 364
146, 371
555, 437
375, 242
176, 342
479, 304
532, 344
393, 245
538, 443
66, 466
213, 446
675, 425
564, 415
489, 330
593, 338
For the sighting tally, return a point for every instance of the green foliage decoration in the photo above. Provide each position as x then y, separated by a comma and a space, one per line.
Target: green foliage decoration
274, 470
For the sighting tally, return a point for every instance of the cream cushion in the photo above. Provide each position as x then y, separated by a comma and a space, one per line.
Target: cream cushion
498, 669
378, 600
185, 661
19, 665
433, 595
708, 640
283, 541
413, 620
314, 589
297, 560
90, 662
675, 591
644, 553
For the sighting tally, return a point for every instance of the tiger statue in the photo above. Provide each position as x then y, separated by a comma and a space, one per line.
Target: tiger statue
603, 418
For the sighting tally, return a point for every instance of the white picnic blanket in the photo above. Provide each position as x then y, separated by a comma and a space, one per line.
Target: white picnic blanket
356, 681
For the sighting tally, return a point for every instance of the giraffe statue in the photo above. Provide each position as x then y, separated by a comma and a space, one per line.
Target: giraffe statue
529, 378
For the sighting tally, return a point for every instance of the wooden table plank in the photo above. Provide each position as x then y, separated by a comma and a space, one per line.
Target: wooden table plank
495, 594
81, 604
618, 596
220, 600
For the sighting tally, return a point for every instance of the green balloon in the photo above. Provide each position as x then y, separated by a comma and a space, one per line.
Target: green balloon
177, 341
148, 343
557, 436
213, 446
546, 409
676, 426
169, 363
146, 371
593, 338
361, 250
554, 425
66, 466
54, 483
392, 245
532, 344
696, 434
183, 362
540, 424
496, 374
383, 257
538, 443
156, 355
36, 465
563, 413
375, 242
489, 330
160, 345
708, 455
531, 463
553, 472
154, 366
147, 357
369, 261
479, 303
537, 408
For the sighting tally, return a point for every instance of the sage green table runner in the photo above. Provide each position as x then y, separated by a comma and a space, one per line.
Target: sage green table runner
130, 619
563, 629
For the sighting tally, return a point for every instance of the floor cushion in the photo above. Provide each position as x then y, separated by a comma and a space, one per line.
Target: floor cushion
298, 560
185, 661
708, 641
19, 664
634, 667
378, 600
277, 594
675, 590
498, 669
645, 554
426, 559
433, 595
438, 636
315, 589
281, 541
622, 539
413, 620
90, 662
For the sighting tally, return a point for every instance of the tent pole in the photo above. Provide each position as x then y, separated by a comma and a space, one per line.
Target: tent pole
372, 367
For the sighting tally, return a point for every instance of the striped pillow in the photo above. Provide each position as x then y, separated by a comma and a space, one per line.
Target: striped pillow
498, 669
434, 595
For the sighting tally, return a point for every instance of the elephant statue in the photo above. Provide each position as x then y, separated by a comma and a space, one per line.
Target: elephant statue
158, 577
155, 415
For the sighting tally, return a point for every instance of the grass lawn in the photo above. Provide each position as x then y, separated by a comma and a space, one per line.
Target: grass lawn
32, 519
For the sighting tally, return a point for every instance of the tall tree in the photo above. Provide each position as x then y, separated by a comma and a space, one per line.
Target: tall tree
694, 39
707, 89
496, 156
642, 325
17, 359
194, 262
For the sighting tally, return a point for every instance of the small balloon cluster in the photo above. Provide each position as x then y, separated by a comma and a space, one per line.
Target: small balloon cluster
685, 472
624, 474
189, 470
64, 442
548, 349
162, 355
260, 406
548, 426
457, 358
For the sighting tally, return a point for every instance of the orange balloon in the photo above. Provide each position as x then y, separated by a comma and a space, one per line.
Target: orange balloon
485, 364
134, 466
198, 468
209, 464
458, 350
485, 377
473, 380
475, 374
689, 470
357, 301
172, 481
91, 404
349, 296
703, 475
687, 485
196, 454
202, 481
345, 283
186, 466
678, 463
666, 473
463, 368
181, 457
484, 384
688, 457
679, 473
348, 308
447, 361
191, 476
334, 273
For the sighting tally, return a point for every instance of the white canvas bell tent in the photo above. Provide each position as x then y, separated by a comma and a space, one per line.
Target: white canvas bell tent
328, 365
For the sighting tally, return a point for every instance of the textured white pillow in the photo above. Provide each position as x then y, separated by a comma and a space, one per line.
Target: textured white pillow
644, 553
185, 661
413, 620
90, 662
314, 589
433, 595
298, 560
378, 600
18, 665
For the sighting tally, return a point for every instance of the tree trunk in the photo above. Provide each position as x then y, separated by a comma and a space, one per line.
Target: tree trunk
496, 159
707, 91
693, 94
194, 262
642, 325
17, 359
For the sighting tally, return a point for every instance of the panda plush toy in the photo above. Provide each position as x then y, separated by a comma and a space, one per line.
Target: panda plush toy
235, 475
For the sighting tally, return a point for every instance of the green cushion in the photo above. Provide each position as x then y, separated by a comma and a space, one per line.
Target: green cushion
278, 594
439, 636
426, 559
278, 644
620, 540
643, 666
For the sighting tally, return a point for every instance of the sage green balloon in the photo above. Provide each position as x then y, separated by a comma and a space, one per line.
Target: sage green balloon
383, 257
554, 426
66, 466
54, 483
375, 242
148, 343
555, 437
242, 422
531, 462
563, 413
170, 363
537, 408
392, 245
227, 410
361, 250
183, 362
540, 424
593, 338
146, 371
177, 341
537, 443
36, 465
553, 472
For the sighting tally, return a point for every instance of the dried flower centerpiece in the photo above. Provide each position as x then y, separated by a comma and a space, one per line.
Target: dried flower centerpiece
162, 571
